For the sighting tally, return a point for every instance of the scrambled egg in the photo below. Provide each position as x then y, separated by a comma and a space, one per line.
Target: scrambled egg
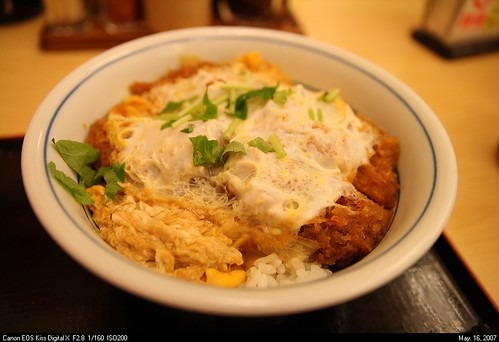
183, 219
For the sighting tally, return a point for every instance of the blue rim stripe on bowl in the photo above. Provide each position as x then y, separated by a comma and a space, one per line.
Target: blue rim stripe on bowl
318, 51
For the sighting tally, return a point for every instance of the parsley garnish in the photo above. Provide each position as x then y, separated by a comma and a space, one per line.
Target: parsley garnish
206, 152
211, 152
78, 191
241, 106
210, 108
81, 158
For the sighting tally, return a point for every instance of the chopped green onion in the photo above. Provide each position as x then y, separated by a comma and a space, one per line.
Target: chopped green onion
168, 117
193, 111
260, 144
220, 99
330, 95
167, 124
232, 86
276, 145
319, 114
229, 132
281, 96
174, 105
181, 121
311, 114
190, 109
232, 101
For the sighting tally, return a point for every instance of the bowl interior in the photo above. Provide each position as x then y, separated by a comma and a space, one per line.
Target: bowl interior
426, 196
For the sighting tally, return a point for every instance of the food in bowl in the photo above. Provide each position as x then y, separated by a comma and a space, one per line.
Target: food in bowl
427, 168
232, 175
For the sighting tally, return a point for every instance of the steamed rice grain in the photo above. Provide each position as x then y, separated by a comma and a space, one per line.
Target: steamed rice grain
271, 271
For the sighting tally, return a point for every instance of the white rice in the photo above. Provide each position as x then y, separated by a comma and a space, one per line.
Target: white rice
270, 271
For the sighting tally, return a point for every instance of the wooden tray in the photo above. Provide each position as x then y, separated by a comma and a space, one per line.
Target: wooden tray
94, 34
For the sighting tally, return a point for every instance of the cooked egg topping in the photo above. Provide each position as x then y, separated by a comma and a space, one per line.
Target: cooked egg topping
322, 140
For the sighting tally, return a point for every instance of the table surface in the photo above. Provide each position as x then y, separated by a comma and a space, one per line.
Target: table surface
462, 92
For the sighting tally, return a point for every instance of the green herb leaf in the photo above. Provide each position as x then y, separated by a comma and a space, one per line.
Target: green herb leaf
78, 191
172, 106
79, 157
112, 175
206, 152
234, 147
188, 129
241, 106
210, 108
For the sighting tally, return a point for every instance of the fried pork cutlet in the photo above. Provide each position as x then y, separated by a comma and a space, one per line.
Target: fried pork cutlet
342, 233
349, 231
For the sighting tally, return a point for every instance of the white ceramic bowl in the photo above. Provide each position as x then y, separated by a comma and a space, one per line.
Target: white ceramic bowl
427, 168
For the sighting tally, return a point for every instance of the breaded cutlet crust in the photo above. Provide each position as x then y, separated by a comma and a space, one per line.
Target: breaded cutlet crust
350, 230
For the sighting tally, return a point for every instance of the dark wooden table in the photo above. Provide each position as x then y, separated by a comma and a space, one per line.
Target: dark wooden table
42, 290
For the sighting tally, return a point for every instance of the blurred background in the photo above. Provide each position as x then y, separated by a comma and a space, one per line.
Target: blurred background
452, 28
